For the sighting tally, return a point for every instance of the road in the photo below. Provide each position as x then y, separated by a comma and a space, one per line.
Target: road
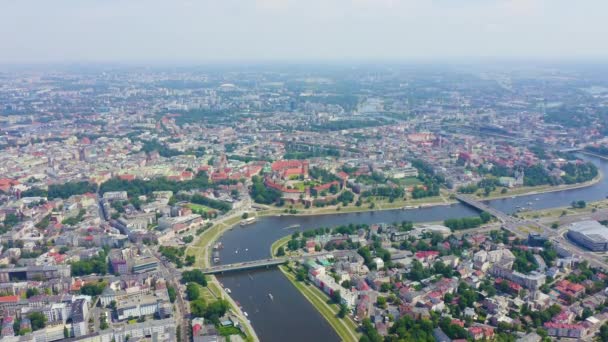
245, 265
182, 314
513, 224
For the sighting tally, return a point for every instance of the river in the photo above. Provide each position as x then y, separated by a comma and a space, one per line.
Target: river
289, 316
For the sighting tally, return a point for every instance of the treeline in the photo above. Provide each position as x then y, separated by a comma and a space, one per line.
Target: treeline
524, 261
488, 184
431, 180
404, 329
177, 255
467, 222
601, 150
345, 124
346, 197
138, 187
578, 173
96, 265
322, 175
537, 175
206, 116
62, 190
164, 151
246, 159
385, 191
293, 152
261, 194
206, 201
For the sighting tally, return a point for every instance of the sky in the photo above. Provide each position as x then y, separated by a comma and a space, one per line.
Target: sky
202, 31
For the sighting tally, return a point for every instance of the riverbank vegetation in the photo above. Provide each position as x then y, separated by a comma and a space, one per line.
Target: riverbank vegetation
468, 222
342, 324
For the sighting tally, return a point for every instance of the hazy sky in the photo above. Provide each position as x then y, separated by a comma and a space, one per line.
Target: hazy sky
228, 30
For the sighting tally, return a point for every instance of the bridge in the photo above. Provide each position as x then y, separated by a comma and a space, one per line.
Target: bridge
270, 262
502, 217
246, 265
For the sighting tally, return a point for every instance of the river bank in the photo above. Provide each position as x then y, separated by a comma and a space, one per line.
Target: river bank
345, 327
545, 189
200, 249
424, 202
254, 242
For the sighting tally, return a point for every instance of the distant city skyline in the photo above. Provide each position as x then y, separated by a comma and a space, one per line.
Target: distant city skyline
35, 31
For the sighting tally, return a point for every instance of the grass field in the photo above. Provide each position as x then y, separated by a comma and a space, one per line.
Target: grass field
199, 207
280, 242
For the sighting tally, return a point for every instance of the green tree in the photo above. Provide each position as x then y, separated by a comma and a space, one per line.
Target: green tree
196, 276
31, 292
343, 311
192, 291
172, 293
38, 320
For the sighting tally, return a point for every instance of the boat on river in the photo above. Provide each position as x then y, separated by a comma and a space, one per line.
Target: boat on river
293, 226
247, 221
270, 296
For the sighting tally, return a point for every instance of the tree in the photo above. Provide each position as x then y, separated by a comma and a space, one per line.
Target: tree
381, 302
192, 291
38, 320
281, 251
216, 310
93, 289
579, 204
172, 293
245, 215
343, 311
196, 276
198, 307
31, 292
336, 297
11, 220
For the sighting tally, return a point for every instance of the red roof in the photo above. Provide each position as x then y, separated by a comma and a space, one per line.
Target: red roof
9, 299
426, 254
287, 164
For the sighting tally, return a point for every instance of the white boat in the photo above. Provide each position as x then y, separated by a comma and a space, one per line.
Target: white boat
247, 221
245, 313
271, 297
228, 291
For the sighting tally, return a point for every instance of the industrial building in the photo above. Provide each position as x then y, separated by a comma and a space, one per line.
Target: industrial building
589, 234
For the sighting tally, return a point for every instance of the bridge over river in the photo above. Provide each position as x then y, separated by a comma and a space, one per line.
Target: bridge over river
520, 228
270, 262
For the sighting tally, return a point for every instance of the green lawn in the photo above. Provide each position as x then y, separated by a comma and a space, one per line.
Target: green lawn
199, 207
410, 181
280, 242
